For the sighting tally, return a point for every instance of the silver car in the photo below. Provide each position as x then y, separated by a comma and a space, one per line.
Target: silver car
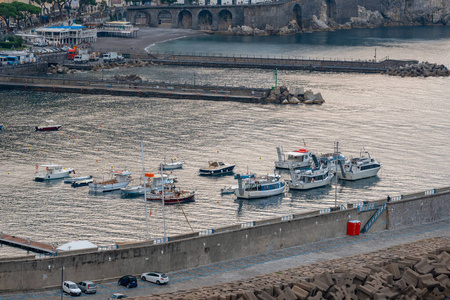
87, 287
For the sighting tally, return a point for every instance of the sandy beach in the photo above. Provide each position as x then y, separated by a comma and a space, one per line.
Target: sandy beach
146, 37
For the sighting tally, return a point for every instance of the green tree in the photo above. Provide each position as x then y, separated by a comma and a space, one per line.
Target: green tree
25, 12
7, 11
85, 3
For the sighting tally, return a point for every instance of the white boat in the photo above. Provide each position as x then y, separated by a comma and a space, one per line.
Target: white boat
253, 187
73, 179
300, 158
118, 179
153, 184
172, 165
82, 182
217, 168
52, 171
310, 178
360, 167
228, 189
49, 126
332, 161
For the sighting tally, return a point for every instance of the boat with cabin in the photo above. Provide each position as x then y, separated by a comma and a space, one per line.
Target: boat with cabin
172, 194
172, 165
254, 187
153, 184
49, 126
332, 161
295, 159
360, 167
217, 168
305, 179
117, 179
52, 171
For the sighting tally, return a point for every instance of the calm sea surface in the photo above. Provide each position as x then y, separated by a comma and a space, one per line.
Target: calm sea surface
403, 122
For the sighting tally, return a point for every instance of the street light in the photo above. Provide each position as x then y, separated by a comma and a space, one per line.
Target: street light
62, 281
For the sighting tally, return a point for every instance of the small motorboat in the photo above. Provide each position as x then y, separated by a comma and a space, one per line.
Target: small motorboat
172, 165
174, 197
153, 184
217, 168
49, 126
52, 171
252, 187
118, 179
228, 189
74, 179
310, 178
84, 182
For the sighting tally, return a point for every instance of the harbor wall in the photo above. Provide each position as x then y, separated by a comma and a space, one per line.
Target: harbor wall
197, 249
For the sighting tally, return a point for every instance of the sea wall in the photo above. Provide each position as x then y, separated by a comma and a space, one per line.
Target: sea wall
201, 248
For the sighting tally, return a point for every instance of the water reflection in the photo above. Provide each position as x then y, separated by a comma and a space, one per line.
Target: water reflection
256, 204
360, 184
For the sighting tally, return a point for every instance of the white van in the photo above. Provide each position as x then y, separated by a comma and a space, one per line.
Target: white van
71, 288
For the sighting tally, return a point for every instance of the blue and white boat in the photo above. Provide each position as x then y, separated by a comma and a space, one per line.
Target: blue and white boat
300, 158
254, 187
215, 168
74, 179
310, 178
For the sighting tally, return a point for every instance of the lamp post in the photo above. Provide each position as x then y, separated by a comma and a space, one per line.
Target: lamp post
62, 281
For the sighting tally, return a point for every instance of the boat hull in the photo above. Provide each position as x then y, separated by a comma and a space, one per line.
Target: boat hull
217, 172
175, 199
172, 166
45, 176
99, 187
359, 175
295, 185
260, 194
74, 179
48, 128
79, 183
291, 165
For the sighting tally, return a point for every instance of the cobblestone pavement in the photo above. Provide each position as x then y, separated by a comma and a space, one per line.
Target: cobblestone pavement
252, 266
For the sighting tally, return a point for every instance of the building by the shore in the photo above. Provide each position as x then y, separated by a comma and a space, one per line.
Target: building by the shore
67, 35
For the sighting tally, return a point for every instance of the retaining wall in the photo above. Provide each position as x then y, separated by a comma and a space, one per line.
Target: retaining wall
195, 249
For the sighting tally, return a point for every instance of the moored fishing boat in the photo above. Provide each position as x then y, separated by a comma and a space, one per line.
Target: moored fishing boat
52, 171
300, 158
49, 126
118, 179
83, 182
173, 197
360, 167
74, 179
153, 184
333, 161
253, 187
217, 168
230, 189
172, 165
310, 178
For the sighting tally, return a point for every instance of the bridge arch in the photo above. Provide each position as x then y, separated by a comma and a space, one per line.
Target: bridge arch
185, 19
119, 16
141, 18
205, 18
124, 15
297, 15
165, 19
225, 19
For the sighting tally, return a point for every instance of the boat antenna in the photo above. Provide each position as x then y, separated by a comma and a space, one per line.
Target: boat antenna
145, 188
162, 194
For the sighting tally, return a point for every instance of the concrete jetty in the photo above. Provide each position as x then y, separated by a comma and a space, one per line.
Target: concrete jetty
26, 243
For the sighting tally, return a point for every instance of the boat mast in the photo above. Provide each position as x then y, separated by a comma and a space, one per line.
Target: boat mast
336, 149
145, 188
162, 194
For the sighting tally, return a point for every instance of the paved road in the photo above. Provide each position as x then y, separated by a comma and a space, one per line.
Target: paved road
147, 36
264, 263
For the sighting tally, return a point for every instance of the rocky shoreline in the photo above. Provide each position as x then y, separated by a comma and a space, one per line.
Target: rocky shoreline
417, 270
423, 69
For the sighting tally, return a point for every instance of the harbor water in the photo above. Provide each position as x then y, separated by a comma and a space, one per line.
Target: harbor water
403, 122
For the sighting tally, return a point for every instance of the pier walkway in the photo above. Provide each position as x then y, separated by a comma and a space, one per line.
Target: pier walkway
248, 267
26, 244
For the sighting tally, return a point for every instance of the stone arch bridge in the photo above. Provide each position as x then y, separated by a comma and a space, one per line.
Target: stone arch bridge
220, 17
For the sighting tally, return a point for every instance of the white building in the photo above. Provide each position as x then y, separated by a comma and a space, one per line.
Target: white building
67, 35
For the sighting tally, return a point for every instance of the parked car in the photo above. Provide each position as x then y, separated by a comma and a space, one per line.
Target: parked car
71, 288
155, 277
87, 287
117, 296
129, 281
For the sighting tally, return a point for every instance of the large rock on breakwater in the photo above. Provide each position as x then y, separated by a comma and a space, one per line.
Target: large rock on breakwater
281, 95
423, 69
418, 270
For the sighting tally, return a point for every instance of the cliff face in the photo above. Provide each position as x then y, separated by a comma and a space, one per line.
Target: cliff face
416, 12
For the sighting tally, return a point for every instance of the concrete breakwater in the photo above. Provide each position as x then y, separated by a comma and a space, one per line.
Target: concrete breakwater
220, 244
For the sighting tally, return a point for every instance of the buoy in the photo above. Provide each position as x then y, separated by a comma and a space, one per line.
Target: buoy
199, 135
97, 170
111, 167
260, 157
98, 149
217, 151
217, 201
37, 167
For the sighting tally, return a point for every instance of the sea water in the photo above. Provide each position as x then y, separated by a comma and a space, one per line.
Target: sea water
403, 122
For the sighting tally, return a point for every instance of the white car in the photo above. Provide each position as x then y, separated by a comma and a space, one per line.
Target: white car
71, 288
117, 296
155, 277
